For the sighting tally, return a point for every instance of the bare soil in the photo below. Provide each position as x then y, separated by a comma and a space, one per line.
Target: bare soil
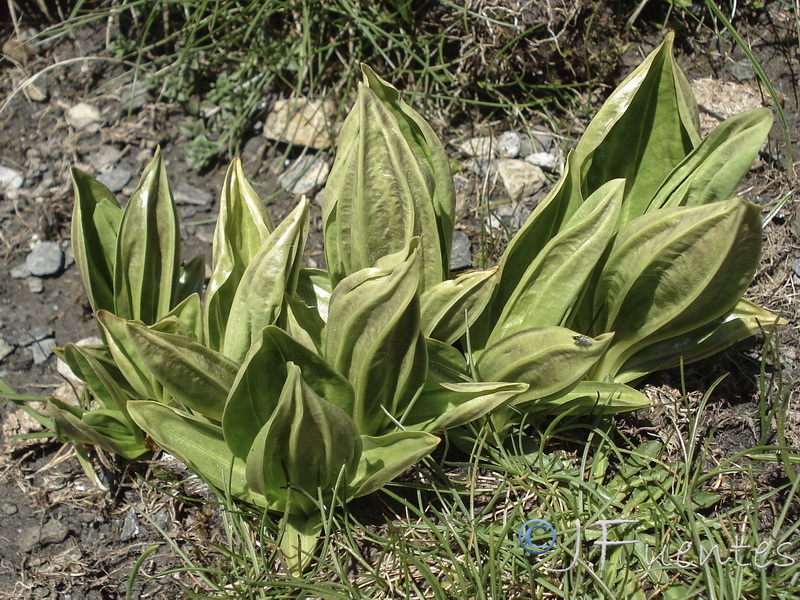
63, 537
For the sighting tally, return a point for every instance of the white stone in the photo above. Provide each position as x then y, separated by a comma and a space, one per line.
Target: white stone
301, 122
480, 147
84, 117
305, 176
11, 181
46, 258
520, 178
508, 144
545, 160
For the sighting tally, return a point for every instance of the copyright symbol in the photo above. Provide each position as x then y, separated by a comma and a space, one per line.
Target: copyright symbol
529, 527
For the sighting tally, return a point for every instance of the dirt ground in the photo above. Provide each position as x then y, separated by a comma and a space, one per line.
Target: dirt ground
63, 537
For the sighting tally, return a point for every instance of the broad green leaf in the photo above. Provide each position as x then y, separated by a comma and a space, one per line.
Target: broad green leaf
69, 426
744, 321
191, 278
713, 170
426, 144
261, 379
673, 271
445, 405
303, 449
641, 133
194, 375
380, 195
119, 429
448, 307
385, 457
445, 363
314, 288
304, 323
127, 358
95, 223
299, 538
272, 273
548, 359
553, 282
197, 443
189, 312
95, 366
373, 338
243, 226
589, 397
147, 262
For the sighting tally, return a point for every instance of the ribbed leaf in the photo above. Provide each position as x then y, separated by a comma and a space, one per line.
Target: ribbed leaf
95, 224
379, 196
303, 449
260, 382
445, 405
552, 283
548, 359
425, 144
373, 338
191, 373
147, 262
589, 397
713, 170
314, 288
191, 278
243, 226
385, 457
197, 443
448, 307
272, 273
673, 271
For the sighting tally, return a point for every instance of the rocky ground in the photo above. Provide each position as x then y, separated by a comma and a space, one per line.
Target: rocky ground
62, 536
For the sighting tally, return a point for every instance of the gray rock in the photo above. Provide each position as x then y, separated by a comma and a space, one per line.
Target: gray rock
104, 158
519, 177
35, 285
482, 166
21, 271
52, 532
507, 217
11, 180
461, 252
46, 258
41, 332
796, 266
743, 70
42, 350
84, 117
306, 175
6, 349
135, 96
542, 140
545, 160
480, 147
115, 179
508, 144
130, 528
188, 194
8, 508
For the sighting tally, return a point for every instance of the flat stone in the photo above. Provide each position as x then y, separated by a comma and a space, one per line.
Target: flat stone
6, 349
542, 140
20, 271
46, 258
743, 70
35, 285
42, 350
306, 175
130, 528
135, 95
519, 177
84, 117
796, 267
301, 122
8, 508
104, 157
480, 147
545, 160
52, 532
115, 179
508, 144
461, 252
188, 194
11, 180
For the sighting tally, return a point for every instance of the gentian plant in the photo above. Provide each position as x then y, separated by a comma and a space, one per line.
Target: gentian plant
296, 389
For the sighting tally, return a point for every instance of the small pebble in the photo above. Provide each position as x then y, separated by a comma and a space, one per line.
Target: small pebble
46, 258
461, 252
508, 144
188, 194
306, 175
11, 180
35, 285
84, 117
8, 508
21, 272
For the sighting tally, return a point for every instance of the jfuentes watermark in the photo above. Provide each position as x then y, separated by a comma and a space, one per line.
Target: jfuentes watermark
538, 537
